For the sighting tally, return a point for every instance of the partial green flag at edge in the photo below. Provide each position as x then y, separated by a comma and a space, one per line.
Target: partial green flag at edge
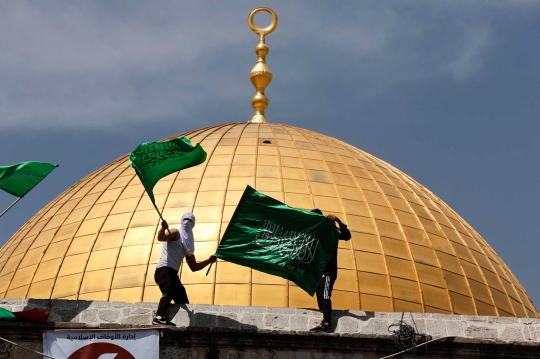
6, 314
269, 236
20, 178
155, 160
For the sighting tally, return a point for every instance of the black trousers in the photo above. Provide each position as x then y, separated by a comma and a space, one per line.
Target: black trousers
172, 289
324, 292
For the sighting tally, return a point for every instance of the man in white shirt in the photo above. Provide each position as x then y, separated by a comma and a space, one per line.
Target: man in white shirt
177, 244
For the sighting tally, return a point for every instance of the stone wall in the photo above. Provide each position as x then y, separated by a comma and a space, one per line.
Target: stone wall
95, 313
214, 331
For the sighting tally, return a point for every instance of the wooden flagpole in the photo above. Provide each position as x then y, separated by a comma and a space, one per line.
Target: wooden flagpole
208, 271
160, 216
7, 209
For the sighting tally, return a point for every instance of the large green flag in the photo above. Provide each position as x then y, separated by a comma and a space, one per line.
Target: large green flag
271, 237
20, 178
155, 160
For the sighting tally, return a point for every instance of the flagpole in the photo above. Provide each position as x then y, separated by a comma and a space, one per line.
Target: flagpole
209, 267
160, 216
208, 271
7, 209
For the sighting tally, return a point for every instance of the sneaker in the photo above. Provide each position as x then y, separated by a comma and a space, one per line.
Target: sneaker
323, 327
162, 321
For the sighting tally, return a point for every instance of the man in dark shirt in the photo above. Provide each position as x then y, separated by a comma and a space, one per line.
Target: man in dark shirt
324, 291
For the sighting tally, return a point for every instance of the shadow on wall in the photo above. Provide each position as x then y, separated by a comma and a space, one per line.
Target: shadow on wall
338, 314
347, 313
188, 317
182, 315
61, 310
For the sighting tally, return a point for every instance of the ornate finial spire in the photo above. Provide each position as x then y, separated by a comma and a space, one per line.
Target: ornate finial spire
261, 76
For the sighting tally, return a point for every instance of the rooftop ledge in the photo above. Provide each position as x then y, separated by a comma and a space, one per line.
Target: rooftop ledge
200, 325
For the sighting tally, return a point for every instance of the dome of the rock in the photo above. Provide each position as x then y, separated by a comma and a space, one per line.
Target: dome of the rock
409, 250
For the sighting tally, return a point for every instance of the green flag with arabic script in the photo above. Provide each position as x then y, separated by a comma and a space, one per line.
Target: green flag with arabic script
155, 160
20, 178
271, 237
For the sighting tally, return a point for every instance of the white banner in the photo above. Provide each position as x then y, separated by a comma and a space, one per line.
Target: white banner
121, 344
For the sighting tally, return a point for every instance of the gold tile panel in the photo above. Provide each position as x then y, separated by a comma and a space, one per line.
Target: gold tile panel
462, 304
480, 291
395, 248
139, 235
388, 229
484, 308
375, 303
153, 294
32, 257
102, 259
345, 300
127, 277
370, 262
126, 294
133, 255
140, 219
180, 199
232, 294
100, 210
101, 295
47, 270
68, 231
409, 250
366, 242
266, 295
232, 273
22, 277
435, 297
456, 283
300, 299
401, 268
74, 264
77, 215
41, 290
372, 283
472, 271
19, 292
189, 277
90, 226
424, 255
106, 240
360, 224
264, 278
267, 185
96, 281
449, 262
416, 236
406, 306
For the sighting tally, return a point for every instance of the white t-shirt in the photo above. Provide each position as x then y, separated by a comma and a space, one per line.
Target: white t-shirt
173, 252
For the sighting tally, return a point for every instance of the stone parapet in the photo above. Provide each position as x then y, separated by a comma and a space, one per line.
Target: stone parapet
221, 343
347, 322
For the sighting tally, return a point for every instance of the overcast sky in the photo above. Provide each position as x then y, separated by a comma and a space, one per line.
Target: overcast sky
446, 91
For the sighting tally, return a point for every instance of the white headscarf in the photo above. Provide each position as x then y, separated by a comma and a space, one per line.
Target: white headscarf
186, 230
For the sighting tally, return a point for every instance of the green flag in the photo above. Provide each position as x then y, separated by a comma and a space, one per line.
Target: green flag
155, 160
20, 178
7, 315
271, 237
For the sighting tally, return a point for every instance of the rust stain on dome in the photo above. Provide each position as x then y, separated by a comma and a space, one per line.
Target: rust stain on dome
409, 251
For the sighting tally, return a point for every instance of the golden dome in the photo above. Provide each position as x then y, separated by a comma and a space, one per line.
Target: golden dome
409, 251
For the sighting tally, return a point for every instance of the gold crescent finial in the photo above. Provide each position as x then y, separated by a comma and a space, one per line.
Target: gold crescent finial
267, 30
260, 75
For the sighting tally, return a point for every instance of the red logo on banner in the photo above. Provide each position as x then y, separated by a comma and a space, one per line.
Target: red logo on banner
101, 351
